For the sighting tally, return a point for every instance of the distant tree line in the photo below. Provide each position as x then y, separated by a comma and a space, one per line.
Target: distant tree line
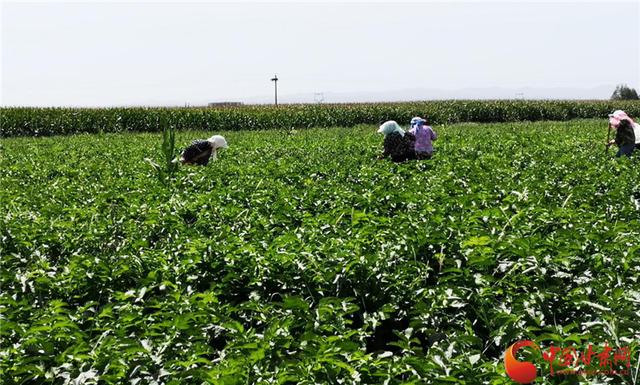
623, 92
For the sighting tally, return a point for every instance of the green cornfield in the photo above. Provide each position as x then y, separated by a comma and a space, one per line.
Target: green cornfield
65, 121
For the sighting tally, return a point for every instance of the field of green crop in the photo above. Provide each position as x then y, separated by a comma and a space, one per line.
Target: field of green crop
21, 121
298, 258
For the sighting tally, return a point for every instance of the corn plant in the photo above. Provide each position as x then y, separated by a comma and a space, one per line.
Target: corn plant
168, 153
64, 121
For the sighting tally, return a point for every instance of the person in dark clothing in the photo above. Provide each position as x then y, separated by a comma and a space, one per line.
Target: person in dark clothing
625, 138
618, 116
398, 144
200, 151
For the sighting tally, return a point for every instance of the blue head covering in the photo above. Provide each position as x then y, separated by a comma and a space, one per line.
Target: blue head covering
417, 123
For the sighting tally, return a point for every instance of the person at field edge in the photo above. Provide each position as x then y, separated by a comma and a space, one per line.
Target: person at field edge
620, 115
626, 137
398, 144
425, 135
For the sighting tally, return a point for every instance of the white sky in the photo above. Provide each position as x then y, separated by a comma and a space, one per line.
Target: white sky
124, 53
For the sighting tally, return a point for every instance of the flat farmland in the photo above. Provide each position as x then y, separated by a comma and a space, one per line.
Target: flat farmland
298, 257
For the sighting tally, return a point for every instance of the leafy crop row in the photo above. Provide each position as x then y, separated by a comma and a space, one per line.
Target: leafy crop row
62, 121
297, 258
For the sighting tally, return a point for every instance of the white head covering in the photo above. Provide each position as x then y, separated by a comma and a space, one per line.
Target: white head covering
218, 142
390, 126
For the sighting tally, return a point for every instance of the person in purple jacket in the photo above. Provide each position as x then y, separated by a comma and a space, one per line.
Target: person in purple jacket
425, 135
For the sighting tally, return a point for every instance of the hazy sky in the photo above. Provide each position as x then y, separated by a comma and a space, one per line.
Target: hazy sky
122, 53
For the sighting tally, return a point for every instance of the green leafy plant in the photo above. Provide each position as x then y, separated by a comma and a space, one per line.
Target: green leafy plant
170, 163
297, 258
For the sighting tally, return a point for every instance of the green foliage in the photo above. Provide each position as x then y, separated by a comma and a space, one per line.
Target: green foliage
169, 154
623, 92
169, 148
65, 121
297, 257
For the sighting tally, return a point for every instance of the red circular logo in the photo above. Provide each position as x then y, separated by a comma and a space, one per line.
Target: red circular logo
521, 372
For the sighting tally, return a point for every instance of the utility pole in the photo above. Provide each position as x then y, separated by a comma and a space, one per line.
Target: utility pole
275, 81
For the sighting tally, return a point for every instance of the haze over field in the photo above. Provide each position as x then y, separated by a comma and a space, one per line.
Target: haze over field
411, 94
164, 53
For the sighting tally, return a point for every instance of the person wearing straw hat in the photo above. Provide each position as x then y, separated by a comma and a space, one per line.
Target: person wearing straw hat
627, 133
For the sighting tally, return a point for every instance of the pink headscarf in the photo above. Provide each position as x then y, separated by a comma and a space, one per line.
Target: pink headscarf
617, 116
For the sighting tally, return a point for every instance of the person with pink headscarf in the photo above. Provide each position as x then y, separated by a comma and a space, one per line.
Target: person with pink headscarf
627, 133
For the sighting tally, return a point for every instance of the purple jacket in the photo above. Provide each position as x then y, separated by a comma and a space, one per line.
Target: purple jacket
424, 137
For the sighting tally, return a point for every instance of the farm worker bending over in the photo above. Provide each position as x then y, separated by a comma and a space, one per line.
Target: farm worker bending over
399, 145
200, 151
424, 137
620, 115
627, 133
